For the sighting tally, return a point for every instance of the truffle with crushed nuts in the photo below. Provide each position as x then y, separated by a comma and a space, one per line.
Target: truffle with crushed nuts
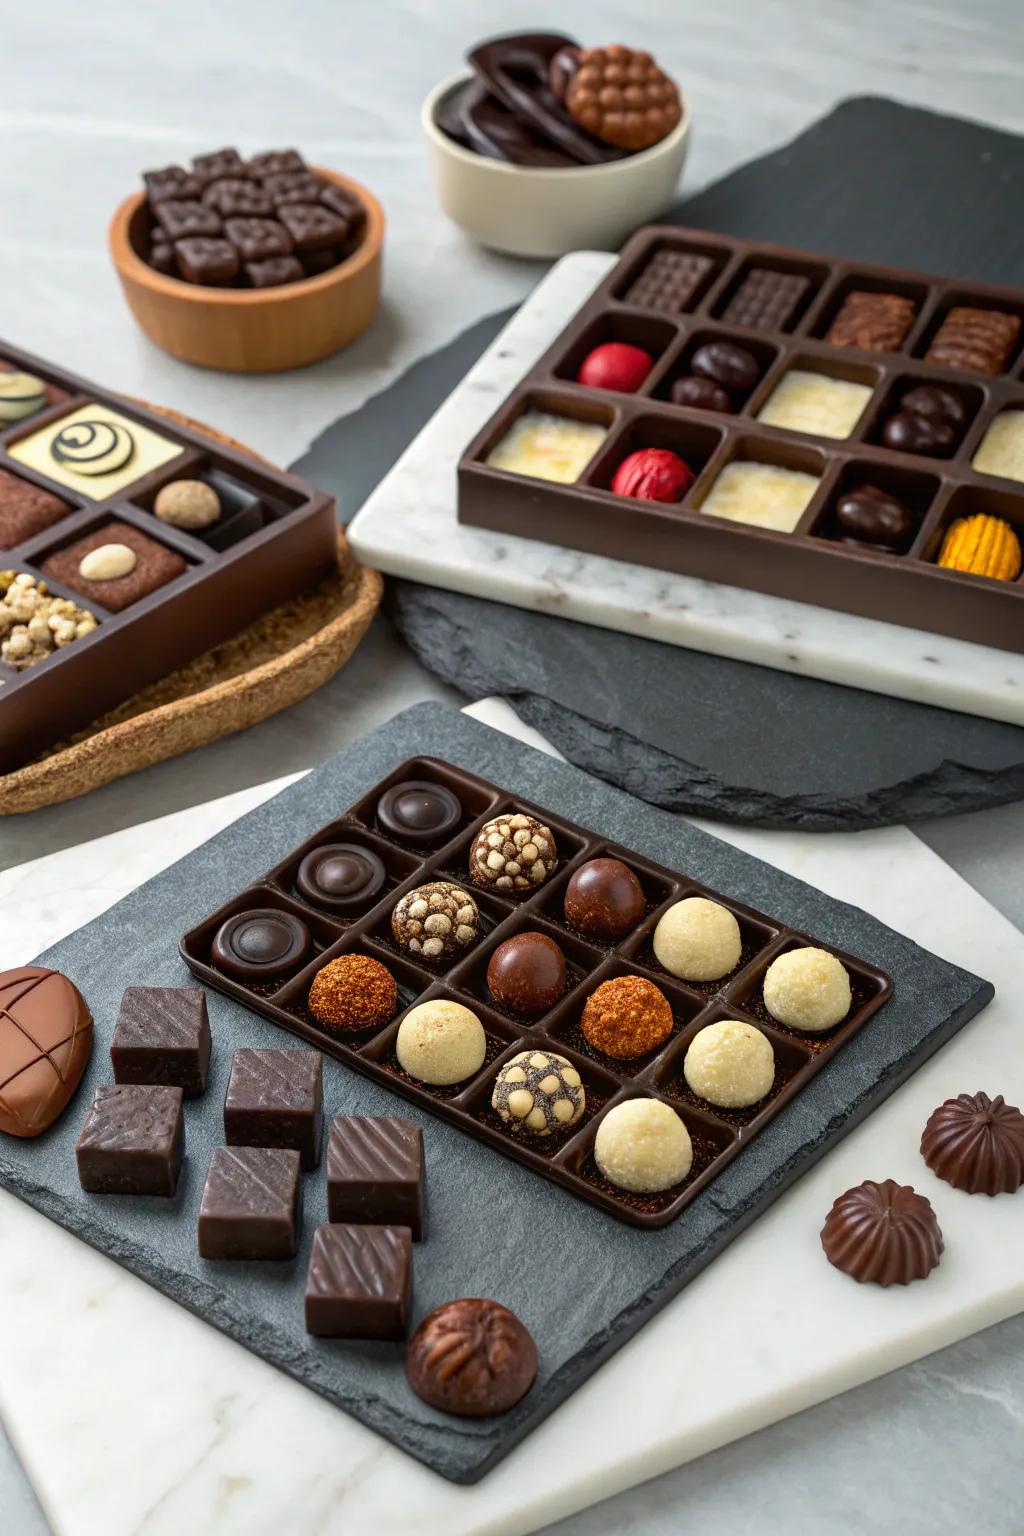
513, 853
539, 1092
436, 921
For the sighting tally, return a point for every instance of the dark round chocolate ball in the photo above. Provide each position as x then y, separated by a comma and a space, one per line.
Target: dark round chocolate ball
727, 364
341, 876
933, 436
604, 899
867, 515
473, 1358
419, 812
932, 400
701, 394
526, 974
261, 944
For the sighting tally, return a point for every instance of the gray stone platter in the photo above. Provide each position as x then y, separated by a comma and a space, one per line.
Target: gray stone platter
540, 1258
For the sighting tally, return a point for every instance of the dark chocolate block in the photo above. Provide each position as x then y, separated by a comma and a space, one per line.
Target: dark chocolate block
669, 281
275, 162
206, 259
252, 1204
183, 220
276, 1099
236, 198
258, 239
359, 1284
162, 1035
766, 300
348, 207
292, 187
274, 272
133, 1141
171, 184
375, 1171
312, 227
219, 164
26, 509
155, 566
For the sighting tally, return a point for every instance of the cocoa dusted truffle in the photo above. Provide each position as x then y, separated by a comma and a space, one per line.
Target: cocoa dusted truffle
539, 1092
526, 974
883, 1233
436, 920
808, 989
976, 1144
626, 1016
643, 1146
353, 992
473, 1358
513, 853
604, 899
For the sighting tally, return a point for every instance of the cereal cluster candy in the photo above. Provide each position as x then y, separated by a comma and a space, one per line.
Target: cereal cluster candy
982, 546
33, 623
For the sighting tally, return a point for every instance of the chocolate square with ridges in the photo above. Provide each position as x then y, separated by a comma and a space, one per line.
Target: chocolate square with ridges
184, 220
276, 1099
218, 164
275, 162
669, 281
133, 1141
359, 1284
766, 300
26, 509
375, 1171
162, 1035
252, 1203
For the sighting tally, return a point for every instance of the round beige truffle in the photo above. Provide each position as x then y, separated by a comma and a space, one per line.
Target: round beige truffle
187, 504
643, 1146
731, 1064
698, 940
441, 1042
808, 989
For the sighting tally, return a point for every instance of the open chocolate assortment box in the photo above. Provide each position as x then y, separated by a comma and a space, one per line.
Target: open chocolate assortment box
382, 862
99, 595
851, 435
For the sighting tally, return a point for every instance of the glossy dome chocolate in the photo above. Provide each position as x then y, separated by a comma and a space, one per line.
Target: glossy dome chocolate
526, 974
604, 899
341, 876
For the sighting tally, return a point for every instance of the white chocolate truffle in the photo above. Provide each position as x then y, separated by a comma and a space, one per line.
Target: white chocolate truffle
808, 989
642, 1146
698, 940
731, 1064
441, 1042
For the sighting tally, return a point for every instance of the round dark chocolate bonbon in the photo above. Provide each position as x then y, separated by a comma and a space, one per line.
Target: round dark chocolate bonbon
473, 1358
419, 812
933, 436
866, 515
341, 876
701, 394
604, 899
723, 362
526, 974
933, 401
261, 944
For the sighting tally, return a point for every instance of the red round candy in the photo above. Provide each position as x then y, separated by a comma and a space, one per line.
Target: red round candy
653, 474
615, 365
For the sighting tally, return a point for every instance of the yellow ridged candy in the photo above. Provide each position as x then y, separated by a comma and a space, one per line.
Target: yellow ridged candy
983, 546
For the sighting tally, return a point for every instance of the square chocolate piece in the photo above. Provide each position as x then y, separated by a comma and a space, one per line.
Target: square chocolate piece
292, 187
312, 227
221, 163
274, 272
155, 565
276, 1099
375, 1171
348, 207
233, 198
26, 509
132, 1142
359, 1284
258, 239
182, 220
275, 162
171, 184
209, 261
252, 1204
162, 1035
670, 281
766, 300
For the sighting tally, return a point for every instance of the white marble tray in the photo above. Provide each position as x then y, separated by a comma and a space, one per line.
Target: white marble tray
144, 1419
408, 527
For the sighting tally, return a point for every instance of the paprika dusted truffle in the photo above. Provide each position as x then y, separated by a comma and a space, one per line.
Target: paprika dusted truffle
526, 974
626, 1016
514, 852
642, 1146
807, 989
353, 992
698, 940
436, 920
604, 899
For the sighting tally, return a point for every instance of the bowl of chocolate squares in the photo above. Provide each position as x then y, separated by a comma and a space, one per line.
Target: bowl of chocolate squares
548, 147
249, 265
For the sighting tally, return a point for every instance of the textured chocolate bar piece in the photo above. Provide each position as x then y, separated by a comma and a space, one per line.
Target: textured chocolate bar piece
359, 1284
235, 197
276, 1099
375, 1171
26, 509
252, 1203
275, 162
171, 184
292, 187
258, 239
182, 220
978, 340
133, 1141
162, 1035
766, 300
874, 322
670, 281
219, 164
274, 271
45, 1043
311, 226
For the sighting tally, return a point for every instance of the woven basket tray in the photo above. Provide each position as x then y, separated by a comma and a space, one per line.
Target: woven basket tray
282, 657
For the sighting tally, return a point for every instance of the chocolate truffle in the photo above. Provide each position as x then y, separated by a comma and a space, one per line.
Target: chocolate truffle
419, 812
698, 940
187, 504
440, 1042
731, 1064
539, 1092
604, 899
261, 944
473, 1358
976, 1144
353, 992
436, 921
526, 974
626, 1016
513, 853
642, 1146
341, 876
807, 989
884, 1233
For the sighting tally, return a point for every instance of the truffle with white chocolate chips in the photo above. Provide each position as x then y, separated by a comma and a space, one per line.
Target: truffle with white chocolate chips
513, 853
539, 1092
33, 624
436, 921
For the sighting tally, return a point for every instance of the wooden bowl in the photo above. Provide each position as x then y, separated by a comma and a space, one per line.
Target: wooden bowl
252, 330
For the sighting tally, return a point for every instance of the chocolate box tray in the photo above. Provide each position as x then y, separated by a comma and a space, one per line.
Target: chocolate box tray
810, 564
566, 1158
275, 539
581, 1280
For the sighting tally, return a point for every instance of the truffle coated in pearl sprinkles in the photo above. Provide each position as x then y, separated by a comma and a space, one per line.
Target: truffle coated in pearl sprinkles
643, 1147
730, 1064
539, 1091
436, 919
698, 940
807, 989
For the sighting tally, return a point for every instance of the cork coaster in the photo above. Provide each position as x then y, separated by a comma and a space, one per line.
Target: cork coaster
282, 657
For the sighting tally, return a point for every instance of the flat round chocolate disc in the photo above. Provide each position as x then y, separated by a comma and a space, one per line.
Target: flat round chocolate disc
341, 876
419, 812
263, 943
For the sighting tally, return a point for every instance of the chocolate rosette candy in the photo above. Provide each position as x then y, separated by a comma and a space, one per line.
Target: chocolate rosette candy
976, 1144
473, 1358
885, 1234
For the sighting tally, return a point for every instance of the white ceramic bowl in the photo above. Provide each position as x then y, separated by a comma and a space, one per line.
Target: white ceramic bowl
529, 212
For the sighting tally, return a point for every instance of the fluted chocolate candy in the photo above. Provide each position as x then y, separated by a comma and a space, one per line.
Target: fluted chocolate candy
473, 1358
883, 1233
727, 364
45, 1041
604, 899
867, 515
976, 1144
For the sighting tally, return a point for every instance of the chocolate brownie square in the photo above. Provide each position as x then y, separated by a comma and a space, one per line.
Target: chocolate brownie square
155, 565
26, 509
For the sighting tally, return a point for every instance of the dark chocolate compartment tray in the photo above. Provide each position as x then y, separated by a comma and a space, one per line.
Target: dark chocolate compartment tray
717, 1136
275, 539
811, 563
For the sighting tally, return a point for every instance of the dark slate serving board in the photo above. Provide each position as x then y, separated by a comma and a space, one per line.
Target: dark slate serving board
540, 1258
875, 181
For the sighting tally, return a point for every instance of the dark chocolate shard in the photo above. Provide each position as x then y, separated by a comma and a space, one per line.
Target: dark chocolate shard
515, 70
976, 1144
45, 1042
883, 1233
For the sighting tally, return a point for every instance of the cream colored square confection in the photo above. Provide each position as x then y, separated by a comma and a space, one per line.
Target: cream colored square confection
548, 447
1001, 451
95, 451
812, 402
761, 494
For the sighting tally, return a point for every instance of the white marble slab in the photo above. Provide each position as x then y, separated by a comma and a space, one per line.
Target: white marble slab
408, 528
147, 1421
